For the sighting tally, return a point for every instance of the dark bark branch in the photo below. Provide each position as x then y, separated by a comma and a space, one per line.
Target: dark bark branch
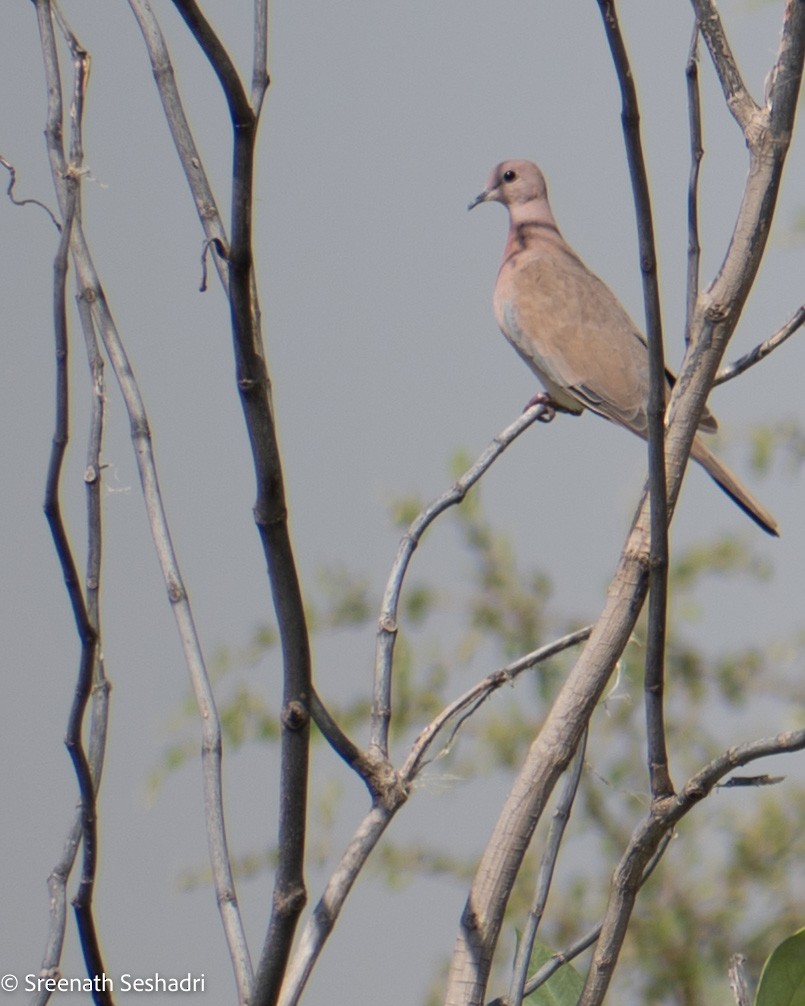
270, 516
93, 295
659, 775
87, 630
12, 181
696, 155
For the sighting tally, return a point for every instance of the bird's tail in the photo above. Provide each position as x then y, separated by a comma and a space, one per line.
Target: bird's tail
724, 478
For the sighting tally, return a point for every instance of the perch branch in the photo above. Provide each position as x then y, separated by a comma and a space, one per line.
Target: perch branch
387, 621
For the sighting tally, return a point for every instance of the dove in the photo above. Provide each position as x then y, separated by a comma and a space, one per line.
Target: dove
573, 332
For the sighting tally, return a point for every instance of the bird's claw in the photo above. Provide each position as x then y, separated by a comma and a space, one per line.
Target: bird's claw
548, 413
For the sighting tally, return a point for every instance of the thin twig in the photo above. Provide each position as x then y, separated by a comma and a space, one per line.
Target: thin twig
260, 75
739, 100
763, 349
416, 759
189, 156
387, 621
563, 957
737, 978
369, 832
270, 514
553, 842
92, 291
661, 785
646, 838
696, 155
87, 631
12, 181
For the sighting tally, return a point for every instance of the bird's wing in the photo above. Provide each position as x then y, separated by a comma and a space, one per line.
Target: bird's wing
573, 331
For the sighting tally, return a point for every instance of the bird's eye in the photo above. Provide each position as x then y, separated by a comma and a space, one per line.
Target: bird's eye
509, 176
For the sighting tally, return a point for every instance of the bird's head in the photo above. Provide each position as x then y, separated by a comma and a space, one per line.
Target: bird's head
513, 183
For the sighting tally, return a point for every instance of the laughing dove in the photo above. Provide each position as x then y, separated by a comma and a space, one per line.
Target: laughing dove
570, 328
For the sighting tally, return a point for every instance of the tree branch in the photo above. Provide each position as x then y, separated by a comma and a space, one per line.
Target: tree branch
473, 697
562, 957
92, 292
739, 100
270, 510
645, 841
87, 630
387, 621
716, 314
546, 867
654, 686
762, 350
696, 155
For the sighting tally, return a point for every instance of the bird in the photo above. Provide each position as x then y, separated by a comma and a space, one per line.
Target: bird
572, 330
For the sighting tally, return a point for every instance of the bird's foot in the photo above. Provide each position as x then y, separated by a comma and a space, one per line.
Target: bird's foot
549, 406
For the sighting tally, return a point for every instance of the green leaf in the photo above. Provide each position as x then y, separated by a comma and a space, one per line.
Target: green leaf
562, 989
782, 981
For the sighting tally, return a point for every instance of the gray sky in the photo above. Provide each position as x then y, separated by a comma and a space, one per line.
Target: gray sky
380, 125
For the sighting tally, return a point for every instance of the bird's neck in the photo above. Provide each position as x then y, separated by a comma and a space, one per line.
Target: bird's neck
530, 223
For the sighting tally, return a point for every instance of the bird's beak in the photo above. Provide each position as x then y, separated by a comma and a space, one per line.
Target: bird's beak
482, 198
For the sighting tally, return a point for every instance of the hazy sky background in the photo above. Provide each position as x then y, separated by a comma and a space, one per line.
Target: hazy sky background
381, 124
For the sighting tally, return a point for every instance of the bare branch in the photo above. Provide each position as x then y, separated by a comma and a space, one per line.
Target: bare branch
92, 292
660, 778
662, 818
416, 759
389, 798
546, 867
563, 957
324, 915
739, 100
738, 984
87, 630
696, 155
12, 181
189, 157
219, 59
387, 621
57, 881
270, 510
761, 351
717, 312
260, 76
